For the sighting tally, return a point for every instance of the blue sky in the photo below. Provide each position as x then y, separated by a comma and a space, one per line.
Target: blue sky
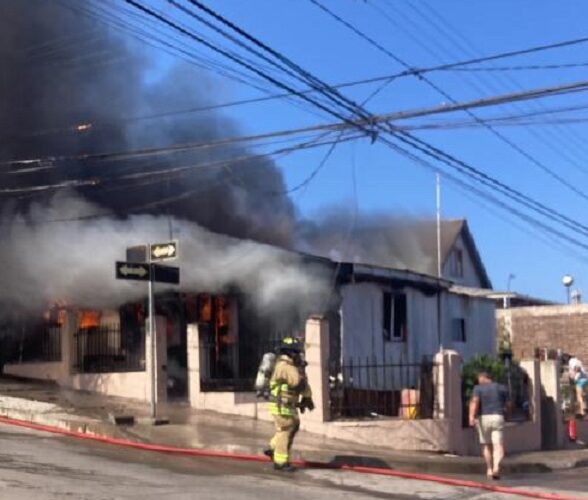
426, 33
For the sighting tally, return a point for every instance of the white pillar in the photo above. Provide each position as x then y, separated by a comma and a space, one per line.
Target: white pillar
193, 346
160, 361
317, 357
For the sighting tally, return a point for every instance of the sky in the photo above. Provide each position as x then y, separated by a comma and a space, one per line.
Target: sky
424, 33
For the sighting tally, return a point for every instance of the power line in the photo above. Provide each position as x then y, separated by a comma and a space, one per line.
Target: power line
442, 156
443, 27
513, 145
460, 165
370, 121
166, 172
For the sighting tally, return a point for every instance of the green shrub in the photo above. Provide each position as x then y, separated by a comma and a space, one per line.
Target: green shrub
472, 368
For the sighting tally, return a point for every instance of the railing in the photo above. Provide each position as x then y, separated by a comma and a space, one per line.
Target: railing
518, 387
232, 367
41, 344
367, 389
107, 349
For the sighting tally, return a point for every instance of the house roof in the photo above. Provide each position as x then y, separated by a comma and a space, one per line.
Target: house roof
408, 244
515, 299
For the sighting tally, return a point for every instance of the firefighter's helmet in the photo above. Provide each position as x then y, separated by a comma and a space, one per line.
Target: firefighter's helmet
290, 345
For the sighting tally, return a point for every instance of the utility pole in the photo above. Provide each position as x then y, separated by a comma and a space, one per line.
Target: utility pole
439, 263
438, 210
152, 344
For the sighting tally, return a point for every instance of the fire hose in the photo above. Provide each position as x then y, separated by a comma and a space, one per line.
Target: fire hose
207, 453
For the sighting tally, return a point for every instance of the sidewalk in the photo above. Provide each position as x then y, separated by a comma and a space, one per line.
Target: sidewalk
48, 404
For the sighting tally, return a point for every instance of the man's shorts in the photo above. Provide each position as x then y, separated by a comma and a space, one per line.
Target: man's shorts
582, 382
491, 429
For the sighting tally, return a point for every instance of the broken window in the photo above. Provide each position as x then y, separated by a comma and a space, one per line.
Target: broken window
394, 316
458, 330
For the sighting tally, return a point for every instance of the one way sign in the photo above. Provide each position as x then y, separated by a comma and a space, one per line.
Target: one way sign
132, 271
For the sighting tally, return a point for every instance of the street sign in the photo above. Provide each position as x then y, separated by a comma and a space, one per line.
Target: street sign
166, 274
132, 271
163, 251
137, 253
141, 266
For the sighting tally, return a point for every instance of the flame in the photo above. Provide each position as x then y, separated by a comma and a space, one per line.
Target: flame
222, 312
204, 308
89, 318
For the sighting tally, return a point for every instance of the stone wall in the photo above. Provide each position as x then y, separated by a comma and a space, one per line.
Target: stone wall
550, 327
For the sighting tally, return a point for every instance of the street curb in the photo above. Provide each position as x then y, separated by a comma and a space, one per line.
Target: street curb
304, 464
108, 430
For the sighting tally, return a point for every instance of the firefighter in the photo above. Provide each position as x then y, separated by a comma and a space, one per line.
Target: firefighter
289, 390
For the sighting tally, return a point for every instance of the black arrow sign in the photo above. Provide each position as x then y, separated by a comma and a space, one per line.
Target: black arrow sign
163, 251
144, 272
132, 271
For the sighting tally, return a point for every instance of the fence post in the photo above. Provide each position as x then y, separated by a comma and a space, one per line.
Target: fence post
317, 357
553, 432
193, 346
160, 362
448, 395
532, 367
68, 345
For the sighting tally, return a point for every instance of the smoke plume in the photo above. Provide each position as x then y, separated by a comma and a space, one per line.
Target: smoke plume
381, 239
75, 262
69, 85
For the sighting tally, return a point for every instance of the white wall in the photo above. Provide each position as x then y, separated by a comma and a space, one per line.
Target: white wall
470, 276
480, 324
361, 327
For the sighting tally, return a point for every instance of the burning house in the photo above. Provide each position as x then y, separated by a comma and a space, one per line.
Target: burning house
379, 319
244, 281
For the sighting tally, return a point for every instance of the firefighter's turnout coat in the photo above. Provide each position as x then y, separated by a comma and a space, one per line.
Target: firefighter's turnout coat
288, 385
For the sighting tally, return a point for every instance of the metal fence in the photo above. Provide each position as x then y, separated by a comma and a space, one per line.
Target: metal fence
232, 367
107, 349
367, 389
38, 344
519, 391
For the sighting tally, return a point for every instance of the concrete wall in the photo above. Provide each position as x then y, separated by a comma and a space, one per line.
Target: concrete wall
135, 385
36, 371
519, 437
551, 327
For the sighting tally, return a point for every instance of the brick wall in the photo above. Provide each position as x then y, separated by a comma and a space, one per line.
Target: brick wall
551, 327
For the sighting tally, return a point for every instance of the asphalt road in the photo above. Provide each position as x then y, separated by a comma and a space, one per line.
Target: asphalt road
41, 466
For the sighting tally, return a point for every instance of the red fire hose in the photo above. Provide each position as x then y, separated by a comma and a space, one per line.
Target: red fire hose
199, 452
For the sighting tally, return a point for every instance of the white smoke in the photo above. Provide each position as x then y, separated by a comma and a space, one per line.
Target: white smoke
74, 261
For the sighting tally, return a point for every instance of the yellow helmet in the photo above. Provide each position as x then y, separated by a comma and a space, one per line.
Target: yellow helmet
290, 344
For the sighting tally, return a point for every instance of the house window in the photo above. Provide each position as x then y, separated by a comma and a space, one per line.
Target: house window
394, 316
458, 330
457, 263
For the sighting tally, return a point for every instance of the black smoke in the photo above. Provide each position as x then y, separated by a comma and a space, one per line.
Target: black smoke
61, 68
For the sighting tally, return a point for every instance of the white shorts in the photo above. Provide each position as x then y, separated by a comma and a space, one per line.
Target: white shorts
491, 429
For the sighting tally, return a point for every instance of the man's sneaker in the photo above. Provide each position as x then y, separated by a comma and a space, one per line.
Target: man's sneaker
287, 467
268, 452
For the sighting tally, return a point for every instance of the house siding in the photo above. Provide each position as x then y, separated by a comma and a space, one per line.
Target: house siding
480, 325
362, 336
470, 276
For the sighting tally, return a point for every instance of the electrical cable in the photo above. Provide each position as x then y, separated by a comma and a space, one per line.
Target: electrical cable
531, 158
